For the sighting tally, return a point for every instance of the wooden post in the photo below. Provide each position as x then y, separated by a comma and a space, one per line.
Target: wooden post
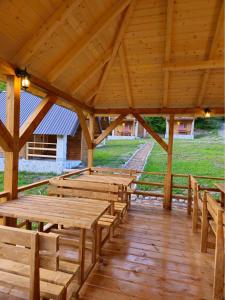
168, 177
189, 208
91, 131
12, 124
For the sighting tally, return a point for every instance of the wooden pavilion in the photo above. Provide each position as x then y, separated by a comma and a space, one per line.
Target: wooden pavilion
101, 58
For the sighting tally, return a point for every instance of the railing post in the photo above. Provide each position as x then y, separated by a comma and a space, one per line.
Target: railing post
189, 204
91, 131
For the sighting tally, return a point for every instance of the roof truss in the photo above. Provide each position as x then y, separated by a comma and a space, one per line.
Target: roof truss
72, 53
6, 140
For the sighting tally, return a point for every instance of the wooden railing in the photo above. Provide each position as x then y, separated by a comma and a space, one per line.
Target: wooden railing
41, 150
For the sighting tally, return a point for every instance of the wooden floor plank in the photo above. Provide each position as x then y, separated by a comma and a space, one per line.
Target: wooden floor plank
153, 255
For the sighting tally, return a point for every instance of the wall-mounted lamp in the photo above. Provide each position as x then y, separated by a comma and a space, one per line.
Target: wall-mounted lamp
25, 78
178, 123
207, 112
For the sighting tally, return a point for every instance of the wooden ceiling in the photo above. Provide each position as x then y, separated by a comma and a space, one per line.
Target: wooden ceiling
112, 55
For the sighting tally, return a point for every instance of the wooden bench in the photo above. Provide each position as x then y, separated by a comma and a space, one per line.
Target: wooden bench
96, 191
214, 218
29, 262
197, 203
91, 190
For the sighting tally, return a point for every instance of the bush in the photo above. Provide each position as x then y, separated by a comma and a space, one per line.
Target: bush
209, 123
2, 86
157, 123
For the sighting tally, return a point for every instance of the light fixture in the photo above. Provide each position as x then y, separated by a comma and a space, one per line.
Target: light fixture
25, 78
178, 123
207, 112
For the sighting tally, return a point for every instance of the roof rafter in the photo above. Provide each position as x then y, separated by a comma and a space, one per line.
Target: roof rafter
196, 65
34, 119
118, 40
126, 75
212, 49
91, 71
72, 53
169, 25
37, 39
91, 94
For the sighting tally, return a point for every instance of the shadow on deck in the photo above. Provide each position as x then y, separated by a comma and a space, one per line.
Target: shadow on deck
154, 255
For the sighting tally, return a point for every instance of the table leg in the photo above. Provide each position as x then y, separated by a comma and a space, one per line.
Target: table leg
94, 245
82, 253
222, 199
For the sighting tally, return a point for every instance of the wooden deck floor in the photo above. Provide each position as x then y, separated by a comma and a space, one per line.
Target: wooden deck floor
154, 255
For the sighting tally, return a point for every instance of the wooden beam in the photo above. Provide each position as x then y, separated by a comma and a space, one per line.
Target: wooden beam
91, 94
45, 86
151, 131
210, 55
85, 129
168, 178
12, 124
197, 111
169, 25
90, 72
91, 130
99, 26
6, 141
35, 119
110, 128
117, 42
38, 38
126, 75
196, 65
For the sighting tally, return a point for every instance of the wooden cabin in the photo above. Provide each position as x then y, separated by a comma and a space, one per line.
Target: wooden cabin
56, 144
129, 129
183, 128
111, 58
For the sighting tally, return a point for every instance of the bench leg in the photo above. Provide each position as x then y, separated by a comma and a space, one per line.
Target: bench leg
99, 240
82, 254
94, 245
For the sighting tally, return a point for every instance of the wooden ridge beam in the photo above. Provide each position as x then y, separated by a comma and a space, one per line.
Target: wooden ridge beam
110, 128
117, 42
155, 135
34, 120
197, 65
46, 29
90, 72
83, 124
126, 75
169, 25
212, 49
6, 140
9, 69
197, 111
92, 33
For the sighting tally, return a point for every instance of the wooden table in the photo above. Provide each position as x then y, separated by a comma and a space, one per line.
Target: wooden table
125, 182
221, 187
71, 212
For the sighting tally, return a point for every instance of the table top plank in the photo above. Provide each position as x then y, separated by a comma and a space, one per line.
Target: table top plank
72, 212
126, 181
221, 187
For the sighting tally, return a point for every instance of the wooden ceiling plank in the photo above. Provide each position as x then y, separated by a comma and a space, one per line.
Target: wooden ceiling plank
126, 75
196, 65
169, 24
92, 33
6, 141
117, 43
91, 94
90, 72
212, 49
52, 23
155, 135
110, 128
35, 119
9, 69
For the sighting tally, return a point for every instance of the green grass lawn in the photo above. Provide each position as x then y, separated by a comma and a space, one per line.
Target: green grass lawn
205, 155
116, 152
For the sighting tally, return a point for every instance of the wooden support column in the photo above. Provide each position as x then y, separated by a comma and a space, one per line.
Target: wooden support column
12, 124
91, 131
168, 177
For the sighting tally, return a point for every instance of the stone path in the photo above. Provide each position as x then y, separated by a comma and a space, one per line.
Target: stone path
137, 161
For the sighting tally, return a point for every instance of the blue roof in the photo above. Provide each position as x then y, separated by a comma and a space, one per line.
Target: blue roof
58, 121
